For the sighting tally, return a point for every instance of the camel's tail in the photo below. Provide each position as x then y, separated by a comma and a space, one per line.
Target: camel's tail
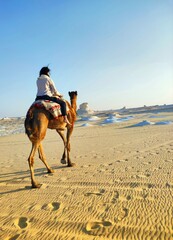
28, 123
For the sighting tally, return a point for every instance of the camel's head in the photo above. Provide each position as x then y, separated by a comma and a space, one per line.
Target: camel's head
72, 94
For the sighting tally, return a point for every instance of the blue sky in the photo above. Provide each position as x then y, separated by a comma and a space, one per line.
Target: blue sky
115, 53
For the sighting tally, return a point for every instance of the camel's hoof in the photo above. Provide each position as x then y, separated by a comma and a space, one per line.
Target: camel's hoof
38, 185
72, 165
63, 161
50, 171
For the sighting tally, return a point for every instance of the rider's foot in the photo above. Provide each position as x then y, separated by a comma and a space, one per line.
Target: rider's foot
66, 120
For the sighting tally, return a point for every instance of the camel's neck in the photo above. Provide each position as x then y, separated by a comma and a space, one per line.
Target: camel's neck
73, 103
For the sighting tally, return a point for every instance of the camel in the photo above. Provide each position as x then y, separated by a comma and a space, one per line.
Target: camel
36, 123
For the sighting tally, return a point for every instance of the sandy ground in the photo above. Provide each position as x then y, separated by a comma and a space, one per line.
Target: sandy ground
121, 187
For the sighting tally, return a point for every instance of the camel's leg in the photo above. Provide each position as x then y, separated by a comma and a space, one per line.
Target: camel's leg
31, 165
43, 158
61, 133
69, 133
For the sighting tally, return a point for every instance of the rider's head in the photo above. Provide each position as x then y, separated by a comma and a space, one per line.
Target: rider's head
45, 71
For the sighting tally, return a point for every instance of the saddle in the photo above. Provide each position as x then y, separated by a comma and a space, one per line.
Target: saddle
52, 107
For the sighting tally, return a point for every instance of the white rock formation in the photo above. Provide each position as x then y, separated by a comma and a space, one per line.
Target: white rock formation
84, 110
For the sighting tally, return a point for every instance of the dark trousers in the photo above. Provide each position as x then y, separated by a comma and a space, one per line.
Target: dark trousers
54, 99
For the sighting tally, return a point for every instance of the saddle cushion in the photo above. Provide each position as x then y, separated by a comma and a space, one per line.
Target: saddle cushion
52, 107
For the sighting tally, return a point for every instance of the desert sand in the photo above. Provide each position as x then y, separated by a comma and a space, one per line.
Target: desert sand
121, 187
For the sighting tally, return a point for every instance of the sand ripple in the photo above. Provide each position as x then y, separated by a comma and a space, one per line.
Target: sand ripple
121, 188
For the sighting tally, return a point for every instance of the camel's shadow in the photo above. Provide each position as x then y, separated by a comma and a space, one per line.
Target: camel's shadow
16, 178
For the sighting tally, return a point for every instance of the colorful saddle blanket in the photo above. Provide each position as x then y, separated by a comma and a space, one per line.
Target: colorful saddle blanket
52, 107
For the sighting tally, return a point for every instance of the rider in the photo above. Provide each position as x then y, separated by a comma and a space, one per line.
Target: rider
46, 90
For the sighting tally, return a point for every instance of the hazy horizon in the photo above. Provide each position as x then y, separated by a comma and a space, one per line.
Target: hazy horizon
113, 53
103, 110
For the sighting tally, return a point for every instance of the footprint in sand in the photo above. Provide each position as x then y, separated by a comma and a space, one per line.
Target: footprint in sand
84, 166
102, 170
115, 198
104, 165
134, 184
149, 185
143, 175
99, 193
54, 206
34, 207
128, 198
22, 222
169, 161
14, 237
120, 161
121, 198
63, 179
146, 163
122, 214
68, 193
169, 185
93, 228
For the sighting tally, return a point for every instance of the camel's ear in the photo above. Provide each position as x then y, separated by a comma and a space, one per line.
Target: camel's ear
69, 93
76, 92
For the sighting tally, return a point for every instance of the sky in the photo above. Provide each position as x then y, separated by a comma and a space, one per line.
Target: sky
115, 53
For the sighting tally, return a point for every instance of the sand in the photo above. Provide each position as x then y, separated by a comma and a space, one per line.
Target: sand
121, 187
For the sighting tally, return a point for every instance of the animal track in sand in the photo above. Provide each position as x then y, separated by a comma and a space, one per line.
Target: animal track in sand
92, 228
54, 206
22, 222
99, 193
